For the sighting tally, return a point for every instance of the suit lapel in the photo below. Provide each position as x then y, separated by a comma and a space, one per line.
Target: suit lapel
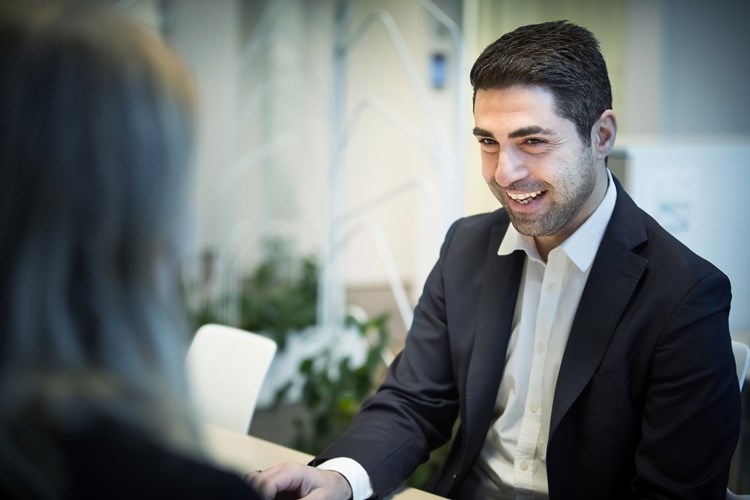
497, 303
615, 273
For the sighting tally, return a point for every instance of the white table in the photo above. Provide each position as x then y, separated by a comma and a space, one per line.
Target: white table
243, 453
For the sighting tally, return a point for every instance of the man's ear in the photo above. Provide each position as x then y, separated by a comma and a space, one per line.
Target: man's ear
603, 134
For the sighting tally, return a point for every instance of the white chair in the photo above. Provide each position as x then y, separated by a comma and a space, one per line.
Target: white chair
741, 359
735, 496
226, 367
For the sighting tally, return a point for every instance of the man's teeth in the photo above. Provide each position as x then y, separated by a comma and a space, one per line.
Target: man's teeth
524, 197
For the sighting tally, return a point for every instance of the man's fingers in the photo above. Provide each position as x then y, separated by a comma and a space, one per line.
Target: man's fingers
283, 477
308, 482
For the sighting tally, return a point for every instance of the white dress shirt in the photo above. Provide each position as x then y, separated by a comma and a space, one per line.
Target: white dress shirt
513, 460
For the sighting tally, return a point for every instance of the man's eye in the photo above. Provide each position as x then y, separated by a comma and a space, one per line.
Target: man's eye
488, 145
532, 141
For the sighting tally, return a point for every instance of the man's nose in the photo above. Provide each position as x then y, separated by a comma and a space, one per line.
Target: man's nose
510, 167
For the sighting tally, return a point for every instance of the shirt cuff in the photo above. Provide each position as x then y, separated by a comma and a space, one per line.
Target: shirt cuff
354, 473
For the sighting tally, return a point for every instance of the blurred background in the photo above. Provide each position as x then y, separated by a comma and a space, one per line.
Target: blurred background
335, 149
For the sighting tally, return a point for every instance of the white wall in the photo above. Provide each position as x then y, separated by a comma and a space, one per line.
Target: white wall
266, 146
381, 156
207, 35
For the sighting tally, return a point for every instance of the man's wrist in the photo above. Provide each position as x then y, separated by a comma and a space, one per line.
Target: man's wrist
354, 474
345, 484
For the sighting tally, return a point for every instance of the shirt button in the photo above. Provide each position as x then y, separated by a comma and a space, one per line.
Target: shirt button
534, 407
540, 347
524, 465
551, 287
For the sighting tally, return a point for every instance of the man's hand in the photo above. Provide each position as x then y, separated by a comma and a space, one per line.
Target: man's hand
307, 483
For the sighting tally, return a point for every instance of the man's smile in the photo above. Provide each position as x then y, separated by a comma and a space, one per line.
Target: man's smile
524, 198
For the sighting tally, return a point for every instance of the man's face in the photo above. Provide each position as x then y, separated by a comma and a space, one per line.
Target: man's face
535, 163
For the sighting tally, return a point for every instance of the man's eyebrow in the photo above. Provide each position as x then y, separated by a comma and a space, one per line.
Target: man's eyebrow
521, 132
480, 132
531, 130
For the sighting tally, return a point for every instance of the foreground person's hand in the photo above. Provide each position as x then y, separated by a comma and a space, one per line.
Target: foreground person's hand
305, 482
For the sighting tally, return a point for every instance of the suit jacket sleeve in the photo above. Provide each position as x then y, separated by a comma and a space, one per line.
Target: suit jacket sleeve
415, 408
691, 411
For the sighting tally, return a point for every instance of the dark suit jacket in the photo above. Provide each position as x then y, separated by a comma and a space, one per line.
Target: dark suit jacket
647, 401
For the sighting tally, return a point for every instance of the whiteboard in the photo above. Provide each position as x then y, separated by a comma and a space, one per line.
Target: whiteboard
699, 193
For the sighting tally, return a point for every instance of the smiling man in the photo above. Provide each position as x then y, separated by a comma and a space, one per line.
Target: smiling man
548, 179
583, 349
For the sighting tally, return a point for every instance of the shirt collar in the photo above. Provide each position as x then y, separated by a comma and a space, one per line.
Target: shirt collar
581, 246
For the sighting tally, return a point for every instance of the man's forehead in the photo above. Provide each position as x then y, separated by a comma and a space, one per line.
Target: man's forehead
534, 95
518, 110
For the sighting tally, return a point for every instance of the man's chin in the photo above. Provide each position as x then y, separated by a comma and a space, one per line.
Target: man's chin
531, 228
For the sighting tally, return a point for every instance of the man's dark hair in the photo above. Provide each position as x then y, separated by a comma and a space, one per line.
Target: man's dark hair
558, 56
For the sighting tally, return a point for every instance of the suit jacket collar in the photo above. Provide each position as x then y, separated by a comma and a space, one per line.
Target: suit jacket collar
614, 275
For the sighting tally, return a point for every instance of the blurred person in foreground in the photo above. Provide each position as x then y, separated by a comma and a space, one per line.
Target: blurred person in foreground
95, 142
583, 349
